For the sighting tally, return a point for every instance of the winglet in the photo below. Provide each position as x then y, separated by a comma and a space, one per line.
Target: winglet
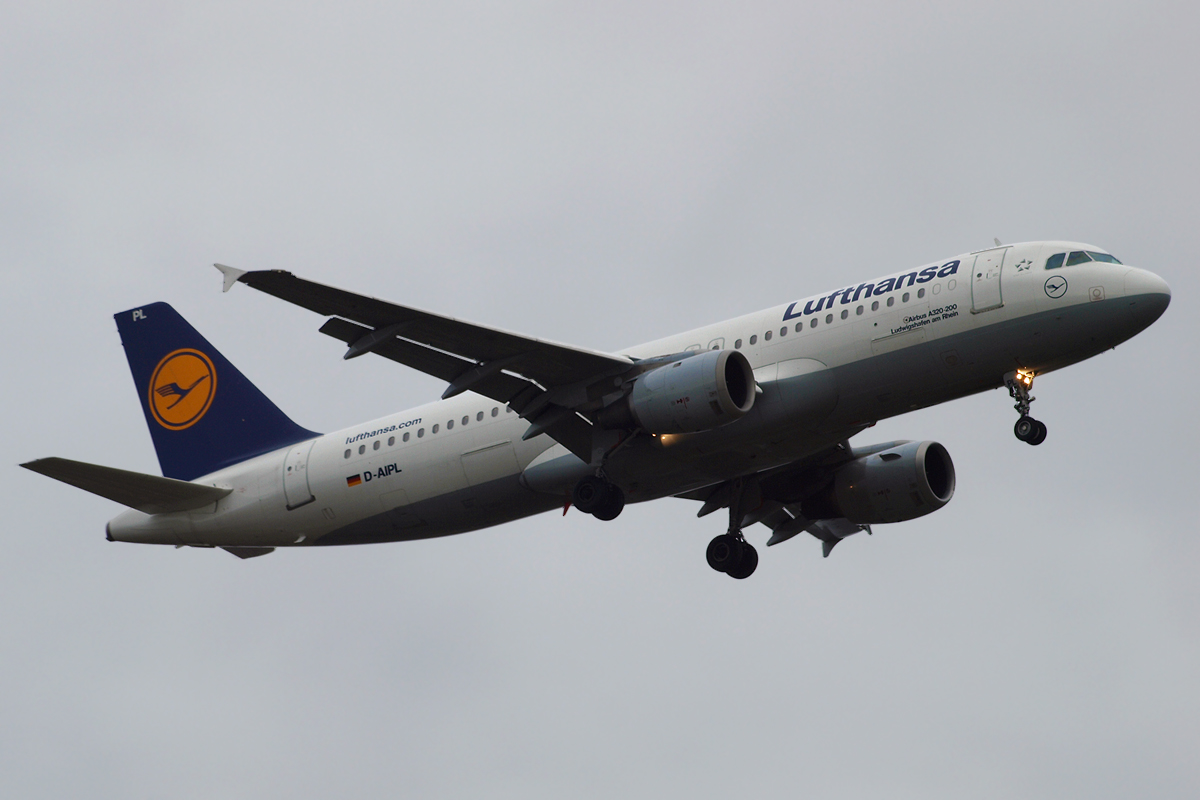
231, 275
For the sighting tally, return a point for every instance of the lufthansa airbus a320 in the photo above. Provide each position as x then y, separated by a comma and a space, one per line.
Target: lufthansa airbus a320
753, 415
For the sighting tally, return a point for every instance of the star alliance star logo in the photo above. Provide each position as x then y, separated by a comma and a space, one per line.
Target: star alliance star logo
1023, 265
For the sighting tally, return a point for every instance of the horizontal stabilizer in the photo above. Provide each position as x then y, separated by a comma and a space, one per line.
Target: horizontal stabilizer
149, 494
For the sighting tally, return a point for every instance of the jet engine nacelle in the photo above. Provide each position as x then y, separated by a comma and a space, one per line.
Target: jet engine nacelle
901, 483
693, 394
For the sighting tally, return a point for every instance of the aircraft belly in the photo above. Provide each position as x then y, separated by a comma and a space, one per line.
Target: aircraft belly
975, 360
457, 511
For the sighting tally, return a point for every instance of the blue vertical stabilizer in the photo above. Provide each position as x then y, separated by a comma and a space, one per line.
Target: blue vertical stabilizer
203, 414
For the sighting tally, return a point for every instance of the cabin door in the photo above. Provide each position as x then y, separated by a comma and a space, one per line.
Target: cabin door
985, 281
295, 476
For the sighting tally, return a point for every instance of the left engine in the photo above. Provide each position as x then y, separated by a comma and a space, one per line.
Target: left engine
697, 393
901, 483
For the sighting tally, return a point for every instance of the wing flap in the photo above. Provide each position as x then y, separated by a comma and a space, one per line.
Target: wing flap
149, 494
445, 366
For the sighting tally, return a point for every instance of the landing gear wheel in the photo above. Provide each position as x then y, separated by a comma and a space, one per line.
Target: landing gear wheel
1030, 431
612, 504
724, 552
1027, 429
747, 564
589, 493
1039, 435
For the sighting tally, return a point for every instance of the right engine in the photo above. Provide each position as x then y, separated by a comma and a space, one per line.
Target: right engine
903, 482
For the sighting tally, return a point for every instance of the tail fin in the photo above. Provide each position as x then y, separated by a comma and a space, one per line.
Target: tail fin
203, 414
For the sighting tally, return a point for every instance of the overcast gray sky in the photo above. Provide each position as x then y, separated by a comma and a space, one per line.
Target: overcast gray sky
602, 177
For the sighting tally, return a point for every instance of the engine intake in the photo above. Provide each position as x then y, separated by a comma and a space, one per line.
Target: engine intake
693, 394
901, 483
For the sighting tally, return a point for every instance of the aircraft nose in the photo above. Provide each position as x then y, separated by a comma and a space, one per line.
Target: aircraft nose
1148, 296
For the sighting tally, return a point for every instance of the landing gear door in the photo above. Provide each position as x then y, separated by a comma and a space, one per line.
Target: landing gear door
985, 281
295, 476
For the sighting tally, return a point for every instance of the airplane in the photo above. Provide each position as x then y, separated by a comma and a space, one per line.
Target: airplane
753, 415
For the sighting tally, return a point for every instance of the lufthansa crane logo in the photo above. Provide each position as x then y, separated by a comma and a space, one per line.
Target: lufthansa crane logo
1056, 287
182, 389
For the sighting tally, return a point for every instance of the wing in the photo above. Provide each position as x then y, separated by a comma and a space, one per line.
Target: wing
774, 497
555, 387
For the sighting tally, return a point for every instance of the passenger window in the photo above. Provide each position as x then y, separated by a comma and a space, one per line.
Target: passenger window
858, 311
904, 299
495, 411
1055, 261
767, 336
479, 417
391, 441
347, 454
920, 292
435, 428
891, 302
829, 319
450, 425
362, 448
813, 323
799, 327
406, 436
737, 345
845, 313
465, 420
875, 305
754, 339
783, 331
420, 433
376, 447
1078, 257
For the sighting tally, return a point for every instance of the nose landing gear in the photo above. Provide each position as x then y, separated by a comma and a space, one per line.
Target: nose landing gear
1027, 429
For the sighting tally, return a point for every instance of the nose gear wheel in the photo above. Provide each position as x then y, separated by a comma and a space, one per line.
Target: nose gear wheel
1027, 429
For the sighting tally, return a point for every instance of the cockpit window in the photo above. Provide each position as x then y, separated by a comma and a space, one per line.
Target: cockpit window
1078, 257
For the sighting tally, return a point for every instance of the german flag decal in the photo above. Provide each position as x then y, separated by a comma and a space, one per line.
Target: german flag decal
354, 480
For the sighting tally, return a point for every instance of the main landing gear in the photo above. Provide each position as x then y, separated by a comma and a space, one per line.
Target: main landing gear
730, 552
596, 496
1027, 429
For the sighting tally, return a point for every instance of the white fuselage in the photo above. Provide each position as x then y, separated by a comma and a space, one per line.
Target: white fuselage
827, 367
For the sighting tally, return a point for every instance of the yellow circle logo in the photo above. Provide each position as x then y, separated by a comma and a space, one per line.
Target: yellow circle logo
182, 389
